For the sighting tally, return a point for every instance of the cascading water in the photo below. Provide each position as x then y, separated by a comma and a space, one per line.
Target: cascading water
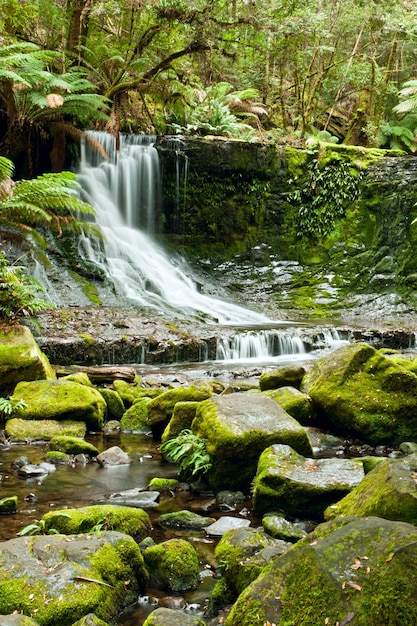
124, 190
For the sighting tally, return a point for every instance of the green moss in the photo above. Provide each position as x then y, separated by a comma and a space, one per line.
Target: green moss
72, 445
182, 417
129, 520
387, 491
115, 406
161, 408
42, 430
132, 392
135, 419
54, 456
173, 564
8, 505
87, 287
163, 484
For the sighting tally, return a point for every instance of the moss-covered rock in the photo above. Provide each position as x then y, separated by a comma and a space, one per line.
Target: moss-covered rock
358, 570
182, 417
78, 377
135, 419
172, 617
115, 406
184, 519
297, 404
286, 376
60, 579
243, 553
132, 392
17, 429
8, 505
388, 491
277, 526
237, 428
21, 359
57, 457
61, 400
289, 482
360, 391
129, 520
163, 484
72, 445
173, 565
161, 408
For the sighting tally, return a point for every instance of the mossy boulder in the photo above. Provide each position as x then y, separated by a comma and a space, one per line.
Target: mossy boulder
173, 565
172, 617
289, 482
277, 526
355, 570
182, 417
17, 429
184, 519
115, 406
389, 491
60, 579
72, 445
160, 409
21, 358
237, 428
8, 505
129, 520
243, 553
286, 376
135, 419
297, 404
163, 484
61, 400
132, 392
359, 391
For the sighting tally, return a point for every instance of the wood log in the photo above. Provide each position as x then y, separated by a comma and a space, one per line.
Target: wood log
100, 374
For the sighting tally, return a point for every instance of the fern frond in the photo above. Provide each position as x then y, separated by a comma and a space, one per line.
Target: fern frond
6, 168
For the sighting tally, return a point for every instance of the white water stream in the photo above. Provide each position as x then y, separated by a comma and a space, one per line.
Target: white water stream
124, 190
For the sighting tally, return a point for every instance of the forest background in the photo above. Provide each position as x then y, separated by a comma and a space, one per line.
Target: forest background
342, 70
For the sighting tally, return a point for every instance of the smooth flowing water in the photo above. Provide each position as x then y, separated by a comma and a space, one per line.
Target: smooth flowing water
125, 191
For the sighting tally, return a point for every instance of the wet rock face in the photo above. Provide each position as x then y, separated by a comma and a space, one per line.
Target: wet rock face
344, 568
297, 485
48, 576
358, 390
237, 427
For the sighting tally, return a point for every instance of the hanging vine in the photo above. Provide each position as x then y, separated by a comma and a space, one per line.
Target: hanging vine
327, 192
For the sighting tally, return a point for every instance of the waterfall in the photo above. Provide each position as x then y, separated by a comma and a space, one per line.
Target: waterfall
265, 345
125, 192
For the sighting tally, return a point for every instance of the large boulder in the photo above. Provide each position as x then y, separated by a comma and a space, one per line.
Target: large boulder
350, 570
29, 431
297, 404
287, 481
60, 578
359, 391
61, 400
173, 565
237, 428
388, 491
124, 519
21, 358
242, 554
160, 409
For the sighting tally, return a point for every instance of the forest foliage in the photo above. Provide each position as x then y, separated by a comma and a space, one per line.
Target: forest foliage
275, 70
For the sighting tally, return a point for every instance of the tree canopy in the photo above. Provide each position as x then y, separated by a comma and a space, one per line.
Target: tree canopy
346, 67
